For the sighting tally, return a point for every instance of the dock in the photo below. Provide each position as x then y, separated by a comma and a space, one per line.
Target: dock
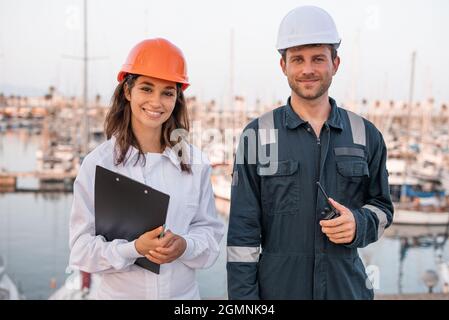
413, 296
49, 181
37, 175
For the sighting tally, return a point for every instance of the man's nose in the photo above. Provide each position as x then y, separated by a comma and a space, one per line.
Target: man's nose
307, 69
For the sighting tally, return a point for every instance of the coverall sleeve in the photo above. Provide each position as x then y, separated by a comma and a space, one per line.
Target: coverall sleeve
244, 234
377, 213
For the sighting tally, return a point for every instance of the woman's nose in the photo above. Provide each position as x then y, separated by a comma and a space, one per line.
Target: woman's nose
153, 101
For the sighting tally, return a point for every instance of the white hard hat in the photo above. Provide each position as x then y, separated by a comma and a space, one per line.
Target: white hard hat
307, 25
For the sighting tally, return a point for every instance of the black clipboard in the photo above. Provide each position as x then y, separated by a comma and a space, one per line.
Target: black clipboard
125, 209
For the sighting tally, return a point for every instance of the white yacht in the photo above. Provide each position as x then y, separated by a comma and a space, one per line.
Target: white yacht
78, 286
8, 290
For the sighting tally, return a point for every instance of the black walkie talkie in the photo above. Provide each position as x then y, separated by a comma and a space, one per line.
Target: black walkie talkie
331, 213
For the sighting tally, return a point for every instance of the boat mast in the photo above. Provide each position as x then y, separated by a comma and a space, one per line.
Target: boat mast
410, 97
85, 124
408, 133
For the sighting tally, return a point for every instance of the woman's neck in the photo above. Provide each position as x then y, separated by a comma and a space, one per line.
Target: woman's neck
149, 139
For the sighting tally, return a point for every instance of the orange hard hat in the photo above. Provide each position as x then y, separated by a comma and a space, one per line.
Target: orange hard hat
157, 58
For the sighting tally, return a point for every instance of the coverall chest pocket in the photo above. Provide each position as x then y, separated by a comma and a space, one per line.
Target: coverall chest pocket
351, 175
280, 189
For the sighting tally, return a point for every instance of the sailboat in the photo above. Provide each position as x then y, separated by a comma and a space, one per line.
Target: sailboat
79, 284
419, 199
8, 289
417, 167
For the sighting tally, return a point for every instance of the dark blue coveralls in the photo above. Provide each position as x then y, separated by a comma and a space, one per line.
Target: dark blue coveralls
276, 249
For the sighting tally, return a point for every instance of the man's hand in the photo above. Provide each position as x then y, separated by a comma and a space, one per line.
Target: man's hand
170, 252
340, 230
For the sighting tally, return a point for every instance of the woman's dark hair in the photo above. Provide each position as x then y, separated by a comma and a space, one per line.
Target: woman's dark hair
118, 124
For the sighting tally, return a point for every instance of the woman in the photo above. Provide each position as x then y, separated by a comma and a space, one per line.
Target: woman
148, 112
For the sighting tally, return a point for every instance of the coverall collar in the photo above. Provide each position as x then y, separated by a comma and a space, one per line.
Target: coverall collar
293, 120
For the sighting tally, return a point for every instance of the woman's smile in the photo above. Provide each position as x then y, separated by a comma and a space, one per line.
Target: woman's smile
155, 115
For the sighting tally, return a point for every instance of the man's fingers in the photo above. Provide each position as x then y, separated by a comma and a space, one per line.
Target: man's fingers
341, 241
336, 230
337, 205
340, 235
334, 222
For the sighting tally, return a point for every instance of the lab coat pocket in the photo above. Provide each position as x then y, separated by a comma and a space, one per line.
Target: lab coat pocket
280, 190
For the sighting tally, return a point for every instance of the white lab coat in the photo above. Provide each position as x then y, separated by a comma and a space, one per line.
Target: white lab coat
191, 214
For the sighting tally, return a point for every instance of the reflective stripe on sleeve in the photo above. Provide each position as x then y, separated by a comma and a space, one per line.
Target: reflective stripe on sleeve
243, 254
381, 216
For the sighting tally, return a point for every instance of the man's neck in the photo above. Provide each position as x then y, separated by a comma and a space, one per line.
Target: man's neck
314, 111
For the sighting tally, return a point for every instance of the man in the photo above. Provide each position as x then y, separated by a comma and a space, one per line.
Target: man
280, 246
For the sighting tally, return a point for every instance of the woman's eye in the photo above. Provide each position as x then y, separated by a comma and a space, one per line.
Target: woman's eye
147, 89
169, 94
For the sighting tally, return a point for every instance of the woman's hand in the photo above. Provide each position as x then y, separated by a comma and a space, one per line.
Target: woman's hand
150, 240
172, 250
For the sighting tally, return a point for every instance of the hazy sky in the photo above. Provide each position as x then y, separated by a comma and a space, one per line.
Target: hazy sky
378, 40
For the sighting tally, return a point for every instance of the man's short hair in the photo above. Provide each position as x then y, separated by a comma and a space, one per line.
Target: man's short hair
333, 48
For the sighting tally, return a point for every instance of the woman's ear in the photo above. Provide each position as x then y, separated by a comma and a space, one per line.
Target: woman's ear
127, 92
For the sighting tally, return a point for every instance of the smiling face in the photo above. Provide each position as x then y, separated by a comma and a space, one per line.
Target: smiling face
309, 70
152, 102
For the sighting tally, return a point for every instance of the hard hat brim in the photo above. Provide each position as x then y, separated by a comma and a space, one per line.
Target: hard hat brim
284, 45
122, 74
